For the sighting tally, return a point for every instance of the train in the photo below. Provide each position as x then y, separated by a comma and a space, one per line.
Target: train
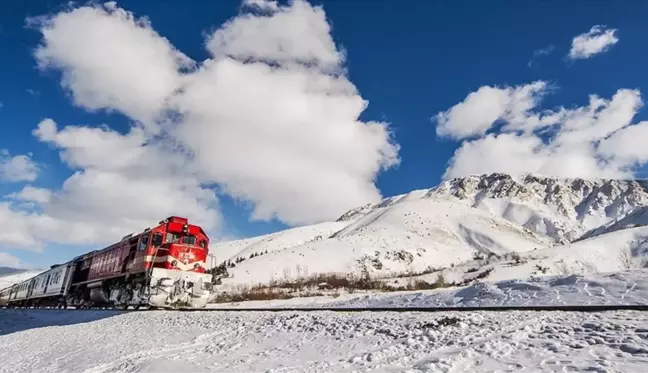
160, 267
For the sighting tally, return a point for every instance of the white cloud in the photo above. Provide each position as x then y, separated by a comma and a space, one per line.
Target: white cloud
482, 108
32, 194
17, 168
110, 59
298, 33
18, 228
628, 145
123, 181
262, 4
599, 119
270, 119
288, 140
274, 126
7, 260
597, 40
596, 140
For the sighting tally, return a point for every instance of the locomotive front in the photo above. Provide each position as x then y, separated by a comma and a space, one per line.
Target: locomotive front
177, 265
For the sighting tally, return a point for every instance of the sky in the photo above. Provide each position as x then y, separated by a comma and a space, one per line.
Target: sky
252, 116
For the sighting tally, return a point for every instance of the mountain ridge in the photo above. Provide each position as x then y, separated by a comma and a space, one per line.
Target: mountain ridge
477, 188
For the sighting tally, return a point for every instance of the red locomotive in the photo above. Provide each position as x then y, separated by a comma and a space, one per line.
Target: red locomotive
163, 266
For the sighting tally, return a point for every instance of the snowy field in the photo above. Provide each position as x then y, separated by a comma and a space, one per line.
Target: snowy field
325, 341
627, 287
104, 341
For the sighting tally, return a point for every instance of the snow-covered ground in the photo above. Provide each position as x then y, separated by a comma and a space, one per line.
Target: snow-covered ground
325, 341
628, 287
147, 342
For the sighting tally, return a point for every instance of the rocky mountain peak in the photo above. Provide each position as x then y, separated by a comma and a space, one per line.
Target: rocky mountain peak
562, 208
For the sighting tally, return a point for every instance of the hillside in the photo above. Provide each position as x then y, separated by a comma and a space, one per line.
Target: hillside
556, 226
4, 271
231, 250
16, 277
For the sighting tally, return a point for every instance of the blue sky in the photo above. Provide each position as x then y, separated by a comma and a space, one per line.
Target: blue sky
408, 62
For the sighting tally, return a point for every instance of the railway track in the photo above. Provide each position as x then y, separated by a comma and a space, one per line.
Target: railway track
574, 308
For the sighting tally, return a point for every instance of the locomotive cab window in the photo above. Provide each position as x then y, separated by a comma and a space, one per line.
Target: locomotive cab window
189, 240
157, 239
144, 242
172, 238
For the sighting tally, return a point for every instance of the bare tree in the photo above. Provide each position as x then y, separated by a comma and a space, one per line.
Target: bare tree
286, 273
626, 259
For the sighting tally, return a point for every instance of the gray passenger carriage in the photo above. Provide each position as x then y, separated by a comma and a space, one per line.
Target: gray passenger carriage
19, 292
4, 296
48, 288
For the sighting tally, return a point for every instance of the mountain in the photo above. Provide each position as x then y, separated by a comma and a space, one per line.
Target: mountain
8, 270
557, 225
563, 209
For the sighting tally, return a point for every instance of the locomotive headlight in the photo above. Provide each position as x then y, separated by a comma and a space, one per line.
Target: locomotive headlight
197, 265
174, 263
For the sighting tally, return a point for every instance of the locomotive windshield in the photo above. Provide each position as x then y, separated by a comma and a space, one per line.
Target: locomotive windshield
189, 240
185, 239
172, 237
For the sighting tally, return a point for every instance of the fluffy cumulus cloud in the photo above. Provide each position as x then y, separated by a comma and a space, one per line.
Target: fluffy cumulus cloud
17, 168
120, 183
109, 59
482, 108
270, 119
595, 140
597, 40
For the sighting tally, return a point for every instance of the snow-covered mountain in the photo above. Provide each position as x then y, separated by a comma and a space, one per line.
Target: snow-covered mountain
455, 222
4, 271
563, 209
